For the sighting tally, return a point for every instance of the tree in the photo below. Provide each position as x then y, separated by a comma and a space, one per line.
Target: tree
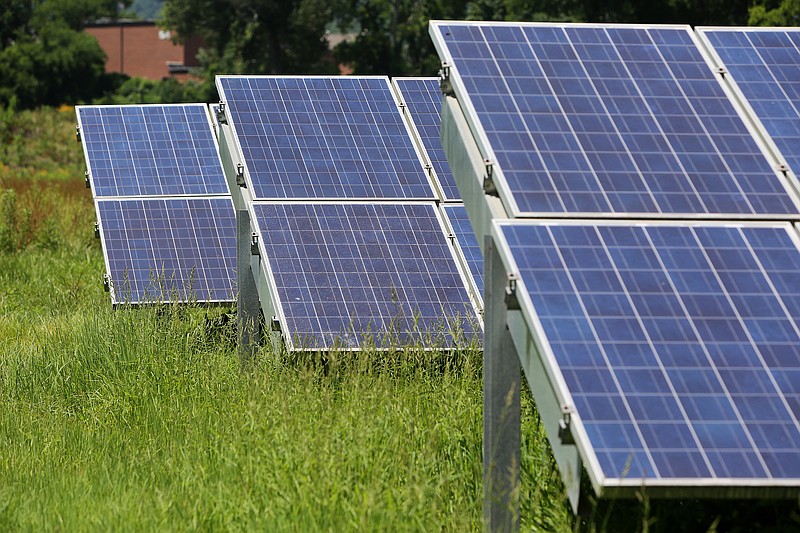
392, 36
693, 12
775, 13
255, 36
524, 10
44, 57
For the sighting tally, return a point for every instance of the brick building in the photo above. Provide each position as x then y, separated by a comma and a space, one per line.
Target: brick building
142, 49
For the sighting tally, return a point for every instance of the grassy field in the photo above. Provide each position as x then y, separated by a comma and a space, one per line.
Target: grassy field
141, 419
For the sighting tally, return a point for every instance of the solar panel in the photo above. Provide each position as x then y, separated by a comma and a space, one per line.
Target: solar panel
607, 119
323, 138
150, 150
462, 228
343, 272
169, 249
423, 99
765, 65
677, 345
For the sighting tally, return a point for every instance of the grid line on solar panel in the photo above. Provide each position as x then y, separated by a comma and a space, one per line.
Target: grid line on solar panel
346, 271
169, 249
607, 120
423, 99
468, 243
764, 64
150, 150
678, 345
317, 137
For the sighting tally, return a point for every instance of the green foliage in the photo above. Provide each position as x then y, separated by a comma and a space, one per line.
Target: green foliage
256, 36
44, 57
775, 13
38, 146
393, 37
40, 166
167, 91
523, 10
59, 66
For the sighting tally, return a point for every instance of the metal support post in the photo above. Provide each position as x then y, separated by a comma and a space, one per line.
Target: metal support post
249, 326
501, 407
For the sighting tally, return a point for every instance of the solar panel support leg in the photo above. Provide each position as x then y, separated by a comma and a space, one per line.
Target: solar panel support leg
249, 327
501, 404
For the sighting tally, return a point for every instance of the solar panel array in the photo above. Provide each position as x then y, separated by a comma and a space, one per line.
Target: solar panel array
675, 344
345, 272
169, 249
765, 65
679, 345
165, 216
347, 268
150, 150
423, 99
608, 120
323, 138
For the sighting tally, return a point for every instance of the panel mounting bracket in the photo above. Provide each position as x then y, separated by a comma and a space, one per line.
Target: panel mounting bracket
78, 132
106, 283
452, 237
512, 302
254, 244
240, 176
783, 168
274, 323
721, 71
489, 186
564, 426
445, 84
221, 118
87, 180
96, 230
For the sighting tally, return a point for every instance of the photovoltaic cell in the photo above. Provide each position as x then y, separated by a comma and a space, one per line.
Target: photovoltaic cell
151, 150
347, 272
323, 137
169, 249
607, 119
423, 99
678, 345
465, 235
765, 65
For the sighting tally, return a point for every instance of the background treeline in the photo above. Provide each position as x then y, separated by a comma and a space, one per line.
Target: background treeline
46, 59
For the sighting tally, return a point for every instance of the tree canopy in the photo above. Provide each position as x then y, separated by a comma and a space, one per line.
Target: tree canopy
775, 13
256, 36
389, 36
45, 58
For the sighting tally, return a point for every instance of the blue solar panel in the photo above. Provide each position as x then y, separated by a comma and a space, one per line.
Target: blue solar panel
459, 220
151, 150
423, 99
765, 64
343, 272
323, 137
678, 346
607, 119
169, 249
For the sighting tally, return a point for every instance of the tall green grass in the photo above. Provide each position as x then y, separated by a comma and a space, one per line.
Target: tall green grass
142, 419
